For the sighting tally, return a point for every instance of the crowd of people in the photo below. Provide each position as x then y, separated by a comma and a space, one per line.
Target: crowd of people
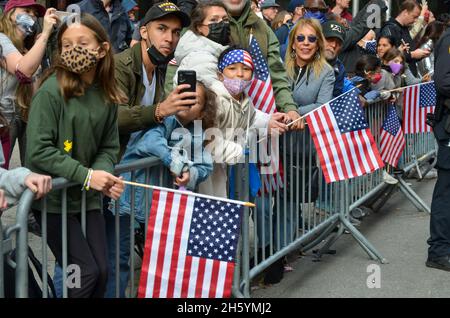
84, 93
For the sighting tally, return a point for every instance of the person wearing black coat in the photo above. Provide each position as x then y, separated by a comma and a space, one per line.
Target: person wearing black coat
398, 29
439, 241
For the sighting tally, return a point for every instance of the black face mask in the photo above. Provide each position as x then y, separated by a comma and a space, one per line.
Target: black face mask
219, 33
157, 58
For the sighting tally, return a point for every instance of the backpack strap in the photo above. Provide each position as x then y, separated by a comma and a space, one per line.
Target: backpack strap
38, 266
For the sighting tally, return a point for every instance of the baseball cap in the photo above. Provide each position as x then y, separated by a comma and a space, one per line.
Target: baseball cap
268, 4
294, 4
163, 9
333, 29
11, 4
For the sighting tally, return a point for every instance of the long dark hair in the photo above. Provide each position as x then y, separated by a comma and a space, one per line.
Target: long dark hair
367, 63
389, 38
209, 111
71, 84
433, 32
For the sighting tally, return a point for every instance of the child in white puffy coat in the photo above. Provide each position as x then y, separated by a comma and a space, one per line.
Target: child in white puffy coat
235, 111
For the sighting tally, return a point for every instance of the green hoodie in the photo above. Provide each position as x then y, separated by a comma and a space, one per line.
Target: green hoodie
65, 138
249, 22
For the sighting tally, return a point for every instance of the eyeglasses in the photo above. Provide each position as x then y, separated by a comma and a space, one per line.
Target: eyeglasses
311, 38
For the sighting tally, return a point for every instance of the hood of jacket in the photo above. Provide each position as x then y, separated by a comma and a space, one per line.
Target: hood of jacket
191, 42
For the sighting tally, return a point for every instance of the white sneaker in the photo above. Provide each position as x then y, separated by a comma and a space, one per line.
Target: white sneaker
432, 174
387, 178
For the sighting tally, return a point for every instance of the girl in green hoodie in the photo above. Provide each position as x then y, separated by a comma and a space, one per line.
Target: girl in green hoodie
73, 133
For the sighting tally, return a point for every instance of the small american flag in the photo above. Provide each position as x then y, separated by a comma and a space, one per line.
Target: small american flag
418, 100
343, 140
190, 249
392, 138
261, 90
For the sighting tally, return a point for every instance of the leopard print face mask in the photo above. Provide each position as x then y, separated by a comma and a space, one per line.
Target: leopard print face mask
79, 60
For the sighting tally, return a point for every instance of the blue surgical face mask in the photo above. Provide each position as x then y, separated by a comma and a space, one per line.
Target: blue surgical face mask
26, 24
316, 15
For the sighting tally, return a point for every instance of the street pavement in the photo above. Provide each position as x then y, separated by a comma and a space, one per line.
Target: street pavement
399, 232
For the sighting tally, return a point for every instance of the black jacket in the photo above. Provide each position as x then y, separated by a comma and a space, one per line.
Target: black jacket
442, 65
398, 32
118, 28
351, 51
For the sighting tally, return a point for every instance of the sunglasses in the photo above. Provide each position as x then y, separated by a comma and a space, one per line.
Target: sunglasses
311, 38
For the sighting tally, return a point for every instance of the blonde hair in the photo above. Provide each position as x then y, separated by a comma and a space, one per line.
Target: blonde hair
319, 62
8, 27
24, 92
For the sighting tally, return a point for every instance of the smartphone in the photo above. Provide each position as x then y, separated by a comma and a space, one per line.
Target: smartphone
63, 14
188, 77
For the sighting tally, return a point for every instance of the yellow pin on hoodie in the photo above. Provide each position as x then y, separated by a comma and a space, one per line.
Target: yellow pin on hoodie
68, 145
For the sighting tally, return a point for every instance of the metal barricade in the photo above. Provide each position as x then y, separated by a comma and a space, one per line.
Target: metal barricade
152, 166
295, 217
6, 247
303, 213
292, 219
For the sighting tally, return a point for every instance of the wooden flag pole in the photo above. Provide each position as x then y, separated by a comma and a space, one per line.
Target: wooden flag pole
142, 185
405, 87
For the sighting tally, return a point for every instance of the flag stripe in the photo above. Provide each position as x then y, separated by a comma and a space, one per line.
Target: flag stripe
200, 277
319, 144
344, 143
193, 277
221, 279
207, 278
331, 147
418, 101
214, 279
183, 265
148, 244
187, 239
186, 274
162, 244
355, 158
331, 167
343, 173
176, 247
169, 251
392, 146
228, 280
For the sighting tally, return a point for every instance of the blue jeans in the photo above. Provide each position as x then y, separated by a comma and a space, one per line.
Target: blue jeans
278, 229
58, 281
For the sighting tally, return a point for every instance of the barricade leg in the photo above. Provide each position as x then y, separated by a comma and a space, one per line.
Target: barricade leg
362, 241
412, 196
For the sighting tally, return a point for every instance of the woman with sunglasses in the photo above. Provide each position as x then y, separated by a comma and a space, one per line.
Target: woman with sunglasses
311, 76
